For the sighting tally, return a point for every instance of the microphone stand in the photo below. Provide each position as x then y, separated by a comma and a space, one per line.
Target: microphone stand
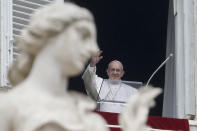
98, 96
163, 63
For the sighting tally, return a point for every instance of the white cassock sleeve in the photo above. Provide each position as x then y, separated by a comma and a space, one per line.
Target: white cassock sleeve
92, 82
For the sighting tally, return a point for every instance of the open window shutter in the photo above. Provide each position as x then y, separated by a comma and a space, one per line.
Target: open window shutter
15, 16
22, 11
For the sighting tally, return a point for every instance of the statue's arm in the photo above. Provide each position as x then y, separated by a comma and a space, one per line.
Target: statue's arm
5, 119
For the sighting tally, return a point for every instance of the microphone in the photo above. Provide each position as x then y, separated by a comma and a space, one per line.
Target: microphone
99, 94
166, 60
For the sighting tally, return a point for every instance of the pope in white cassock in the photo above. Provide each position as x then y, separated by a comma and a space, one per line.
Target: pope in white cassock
112, 93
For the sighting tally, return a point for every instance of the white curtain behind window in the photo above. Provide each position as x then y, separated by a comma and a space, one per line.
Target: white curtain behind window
179, 92
169, 103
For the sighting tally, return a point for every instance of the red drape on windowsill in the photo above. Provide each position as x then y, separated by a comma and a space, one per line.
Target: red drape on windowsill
155, 122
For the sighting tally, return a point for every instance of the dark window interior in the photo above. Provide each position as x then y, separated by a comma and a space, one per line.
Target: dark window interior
133, 32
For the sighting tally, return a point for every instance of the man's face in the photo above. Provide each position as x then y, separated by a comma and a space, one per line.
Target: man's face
115, 70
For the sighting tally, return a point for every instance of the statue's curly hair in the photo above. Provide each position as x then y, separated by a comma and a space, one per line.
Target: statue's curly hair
45, 23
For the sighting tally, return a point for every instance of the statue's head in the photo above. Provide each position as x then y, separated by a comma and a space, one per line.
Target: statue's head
67, 27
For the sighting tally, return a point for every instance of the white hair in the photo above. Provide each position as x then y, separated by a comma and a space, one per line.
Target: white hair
46, 23
117, 62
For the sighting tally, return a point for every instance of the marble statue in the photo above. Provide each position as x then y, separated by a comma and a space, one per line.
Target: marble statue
56, 45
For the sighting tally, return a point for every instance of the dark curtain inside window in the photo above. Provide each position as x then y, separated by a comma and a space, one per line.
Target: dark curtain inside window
133, 32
